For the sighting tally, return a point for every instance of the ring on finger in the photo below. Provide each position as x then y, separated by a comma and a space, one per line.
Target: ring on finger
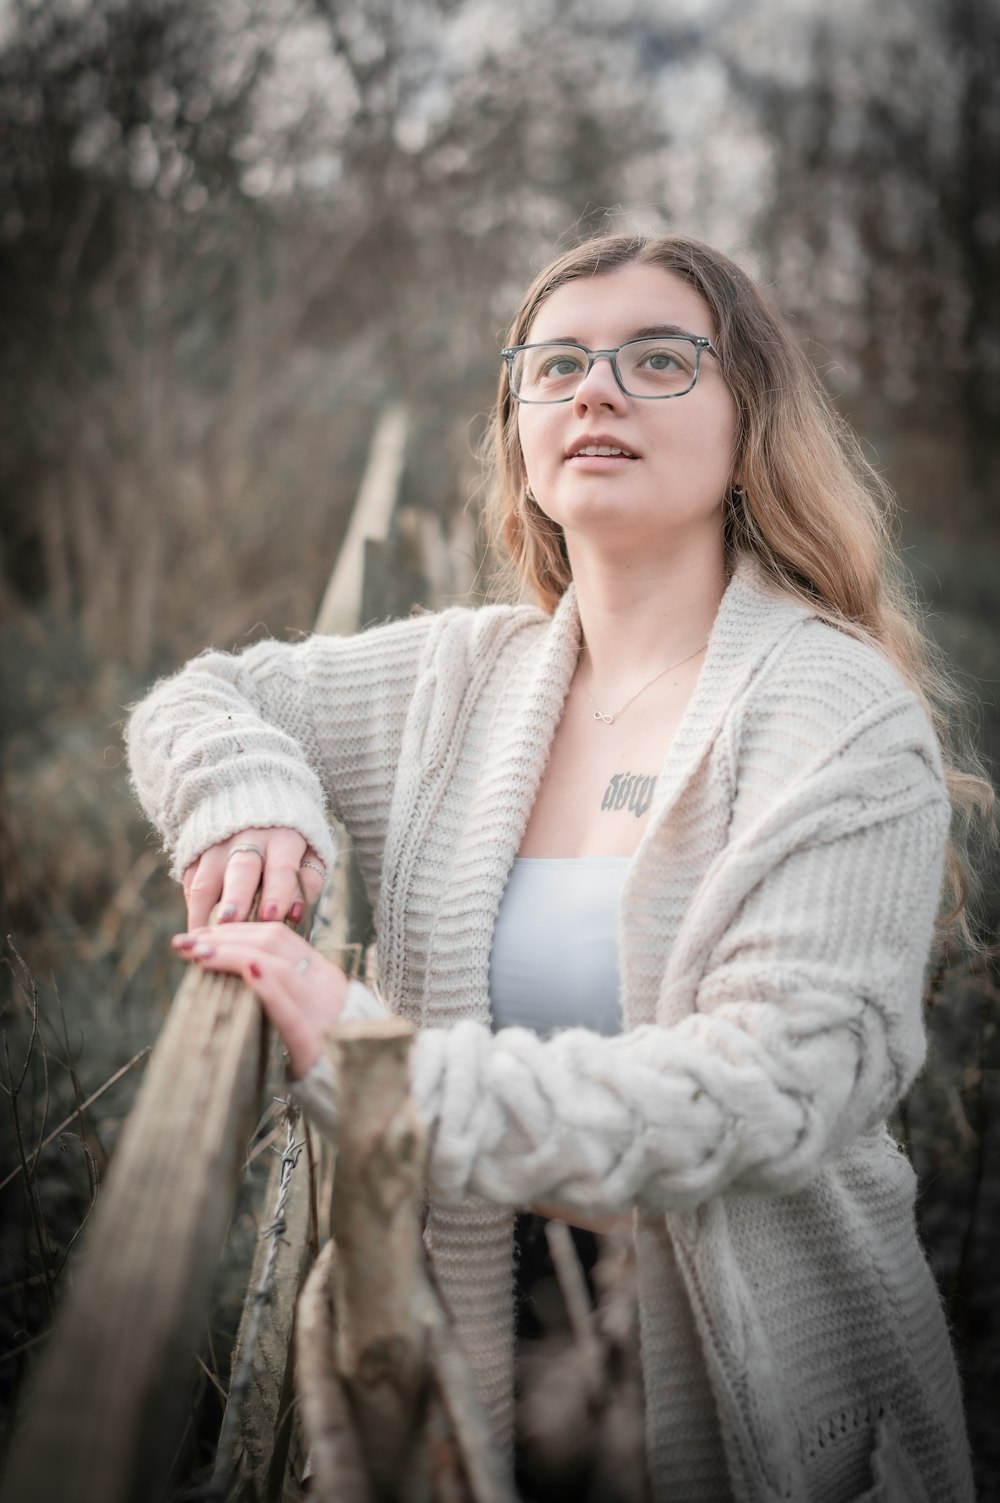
312, 866
303, 965
247, 845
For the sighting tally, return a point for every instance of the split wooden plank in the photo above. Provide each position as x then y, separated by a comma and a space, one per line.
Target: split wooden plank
260, 1405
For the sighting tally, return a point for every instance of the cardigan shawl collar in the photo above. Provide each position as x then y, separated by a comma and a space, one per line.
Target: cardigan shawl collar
752, 619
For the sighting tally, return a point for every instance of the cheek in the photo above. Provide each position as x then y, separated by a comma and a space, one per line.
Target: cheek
524, 438
529, 468
538, 445
714, 435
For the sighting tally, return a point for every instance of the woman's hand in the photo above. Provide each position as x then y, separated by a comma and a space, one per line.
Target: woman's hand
301, 992
277, 860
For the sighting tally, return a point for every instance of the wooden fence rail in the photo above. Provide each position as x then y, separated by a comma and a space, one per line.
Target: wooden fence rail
106, 1411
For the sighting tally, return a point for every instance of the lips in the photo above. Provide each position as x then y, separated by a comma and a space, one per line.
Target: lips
599, 448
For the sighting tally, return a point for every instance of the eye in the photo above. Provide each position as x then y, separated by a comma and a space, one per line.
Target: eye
559, 362
658, 367
665, 359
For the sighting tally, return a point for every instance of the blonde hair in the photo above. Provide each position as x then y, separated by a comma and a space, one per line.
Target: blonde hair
810, 507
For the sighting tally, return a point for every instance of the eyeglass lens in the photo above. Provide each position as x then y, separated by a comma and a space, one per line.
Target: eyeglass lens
647, 368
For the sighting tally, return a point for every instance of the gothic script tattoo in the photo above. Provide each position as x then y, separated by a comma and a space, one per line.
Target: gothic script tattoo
631, 791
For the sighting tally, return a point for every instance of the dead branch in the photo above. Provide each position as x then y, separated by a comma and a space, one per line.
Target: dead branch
339, 1474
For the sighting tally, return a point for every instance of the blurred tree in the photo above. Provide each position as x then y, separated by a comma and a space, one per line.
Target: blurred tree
884, 222
227, 233
117, 151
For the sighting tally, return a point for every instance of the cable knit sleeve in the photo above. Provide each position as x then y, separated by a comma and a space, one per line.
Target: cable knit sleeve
809, 939
273, 736
791, 1053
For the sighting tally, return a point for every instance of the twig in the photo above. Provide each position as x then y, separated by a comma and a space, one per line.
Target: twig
67, 1120
25, 1345
213, 1377
95, 1180
30, 991
574, 1293
313, 1170
34, 1208
87, 1130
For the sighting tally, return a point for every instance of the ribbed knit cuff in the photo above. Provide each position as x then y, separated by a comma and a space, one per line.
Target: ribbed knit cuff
252, 806
316, 1091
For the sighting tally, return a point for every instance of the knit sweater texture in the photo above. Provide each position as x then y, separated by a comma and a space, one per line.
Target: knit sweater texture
774, 930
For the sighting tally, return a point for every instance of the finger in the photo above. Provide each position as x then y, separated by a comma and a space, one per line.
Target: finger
205, 887
244, 862
298, 1033
312, 873
318, 986
241, 950
230, 946
280, 883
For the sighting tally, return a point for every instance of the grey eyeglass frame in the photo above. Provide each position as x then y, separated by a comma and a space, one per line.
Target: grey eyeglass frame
700, 342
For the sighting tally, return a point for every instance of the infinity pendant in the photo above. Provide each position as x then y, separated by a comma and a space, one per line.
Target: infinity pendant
607, 719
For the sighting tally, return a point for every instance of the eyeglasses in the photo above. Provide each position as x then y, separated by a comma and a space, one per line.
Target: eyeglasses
648, 368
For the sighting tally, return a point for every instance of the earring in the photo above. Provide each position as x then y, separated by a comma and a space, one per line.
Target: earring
738, 493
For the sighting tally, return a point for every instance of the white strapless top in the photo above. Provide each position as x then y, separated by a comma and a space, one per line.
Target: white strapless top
554, 961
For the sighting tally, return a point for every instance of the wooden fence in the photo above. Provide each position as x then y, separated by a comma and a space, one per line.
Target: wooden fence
107, 1410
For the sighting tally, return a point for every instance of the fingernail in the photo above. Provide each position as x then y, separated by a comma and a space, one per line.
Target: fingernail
227, 914
295, 913
271, 911
203, 951
182, 941
254, 970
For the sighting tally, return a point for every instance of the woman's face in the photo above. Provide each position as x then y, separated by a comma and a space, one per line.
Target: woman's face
669, 484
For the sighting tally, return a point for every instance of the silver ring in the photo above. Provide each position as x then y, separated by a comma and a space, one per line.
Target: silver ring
247, 846
303, 965
313, 866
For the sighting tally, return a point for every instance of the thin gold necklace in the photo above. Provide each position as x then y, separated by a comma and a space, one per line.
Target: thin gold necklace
607, 719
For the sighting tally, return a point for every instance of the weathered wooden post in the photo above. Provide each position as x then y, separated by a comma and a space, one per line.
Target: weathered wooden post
381, 1291
385, 1394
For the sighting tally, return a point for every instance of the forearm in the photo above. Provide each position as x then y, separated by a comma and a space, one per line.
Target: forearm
212, 752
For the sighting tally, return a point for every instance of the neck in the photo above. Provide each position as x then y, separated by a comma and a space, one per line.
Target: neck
640, 615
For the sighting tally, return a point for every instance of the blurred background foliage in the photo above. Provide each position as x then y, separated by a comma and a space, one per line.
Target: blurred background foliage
230, 234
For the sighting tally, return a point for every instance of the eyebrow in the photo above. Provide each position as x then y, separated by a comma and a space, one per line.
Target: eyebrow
651, 331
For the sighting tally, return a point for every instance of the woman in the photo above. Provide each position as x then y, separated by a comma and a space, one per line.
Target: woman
707, 752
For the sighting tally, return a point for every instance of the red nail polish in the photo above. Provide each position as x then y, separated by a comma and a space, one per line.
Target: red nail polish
295, 913
271, 911
254, 970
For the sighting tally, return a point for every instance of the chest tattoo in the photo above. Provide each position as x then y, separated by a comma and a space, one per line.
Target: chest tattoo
631, 791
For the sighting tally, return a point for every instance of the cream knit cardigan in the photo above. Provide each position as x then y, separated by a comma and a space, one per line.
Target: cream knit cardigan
775, 925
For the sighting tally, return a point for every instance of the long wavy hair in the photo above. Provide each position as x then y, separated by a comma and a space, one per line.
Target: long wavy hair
810, 507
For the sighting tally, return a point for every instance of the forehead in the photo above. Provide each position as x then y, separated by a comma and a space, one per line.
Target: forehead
603, 310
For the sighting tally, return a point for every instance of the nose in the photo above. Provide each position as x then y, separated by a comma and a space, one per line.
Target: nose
599, 388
